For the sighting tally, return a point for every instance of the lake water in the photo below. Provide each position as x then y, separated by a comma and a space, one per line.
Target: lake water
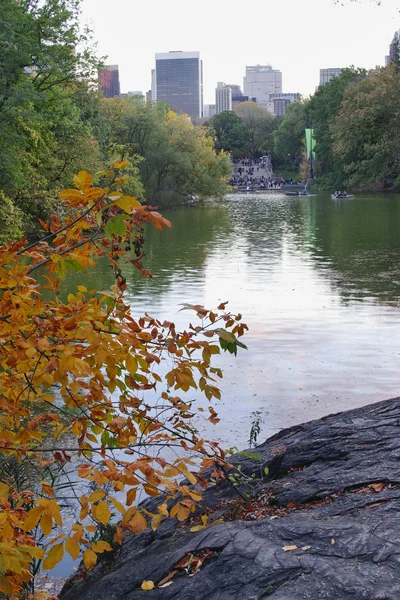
318, 283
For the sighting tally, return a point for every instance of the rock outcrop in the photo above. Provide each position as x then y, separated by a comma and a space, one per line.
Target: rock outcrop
324, 524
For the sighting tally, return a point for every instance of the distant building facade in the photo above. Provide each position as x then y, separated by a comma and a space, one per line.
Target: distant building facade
153, 85
109, 81
179, 82
260, 81
325, 75
223, 97
209, 110
277, 103
394, 49
149, 98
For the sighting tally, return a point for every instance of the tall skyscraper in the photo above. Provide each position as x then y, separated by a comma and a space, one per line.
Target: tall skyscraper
109, 81
153, 85
394, 49
260, 81
223, 97
179, 82
325, 75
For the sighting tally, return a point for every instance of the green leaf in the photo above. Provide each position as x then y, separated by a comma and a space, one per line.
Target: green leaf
115, 226
72, 265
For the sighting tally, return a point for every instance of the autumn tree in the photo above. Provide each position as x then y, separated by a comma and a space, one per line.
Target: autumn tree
178, 159
89, 394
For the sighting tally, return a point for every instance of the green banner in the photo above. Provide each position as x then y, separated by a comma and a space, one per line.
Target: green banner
310, 142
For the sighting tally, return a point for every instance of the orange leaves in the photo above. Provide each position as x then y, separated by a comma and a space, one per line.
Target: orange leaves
86, 356
83, 180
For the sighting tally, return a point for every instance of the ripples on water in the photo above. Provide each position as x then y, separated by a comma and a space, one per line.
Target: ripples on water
318, 284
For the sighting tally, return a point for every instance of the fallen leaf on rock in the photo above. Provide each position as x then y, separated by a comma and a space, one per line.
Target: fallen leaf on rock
147, 585
333, 541
306, 548
289, 548
377, 487
165, 584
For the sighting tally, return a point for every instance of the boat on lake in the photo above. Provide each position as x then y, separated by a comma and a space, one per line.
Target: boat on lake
341, 196
296, 193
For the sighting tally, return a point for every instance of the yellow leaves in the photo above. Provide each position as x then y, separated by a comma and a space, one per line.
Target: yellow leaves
180, 511
101, 512
120, 507
47, 489
33, 551
127, 203
33, 518
120, 164
46, 523
96, 496
72, 547
54, 556
131, 364
147, 585
82, 288
4, 492
131, 496
72, 195
89, 558
101, 546
83, 180
137, 523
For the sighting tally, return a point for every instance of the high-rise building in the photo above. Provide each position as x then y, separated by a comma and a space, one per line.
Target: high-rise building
278, 103
223, 97
325, 75
236, 89
179, 81
394, 49
209, 110
153, 85
109, 81
149, 97
260, 81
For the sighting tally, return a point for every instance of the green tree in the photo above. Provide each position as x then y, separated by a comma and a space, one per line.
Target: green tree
43, 135
178, 159
366, 131
289, 142
260, 125
322, 111
230, 133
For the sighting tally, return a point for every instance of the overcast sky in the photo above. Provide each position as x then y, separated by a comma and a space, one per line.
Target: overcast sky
299, 37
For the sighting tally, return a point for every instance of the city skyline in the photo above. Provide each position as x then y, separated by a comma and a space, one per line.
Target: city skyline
299, 39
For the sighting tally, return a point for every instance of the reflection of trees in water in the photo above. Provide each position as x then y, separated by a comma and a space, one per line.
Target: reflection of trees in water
355, 244
182, 249
357, 241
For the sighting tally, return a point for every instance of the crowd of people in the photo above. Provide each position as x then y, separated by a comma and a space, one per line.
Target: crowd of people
256, 173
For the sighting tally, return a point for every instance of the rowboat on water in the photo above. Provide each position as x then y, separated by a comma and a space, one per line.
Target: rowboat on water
341, 196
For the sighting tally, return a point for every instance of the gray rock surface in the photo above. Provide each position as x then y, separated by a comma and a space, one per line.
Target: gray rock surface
340, 477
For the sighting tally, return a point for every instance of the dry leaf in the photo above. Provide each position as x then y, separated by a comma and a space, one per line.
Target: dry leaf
289, 548
306, 548
333, 541
377, 487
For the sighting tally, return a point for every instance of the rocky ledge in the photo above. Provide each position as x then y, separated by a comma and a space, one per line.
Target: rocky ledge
324, 524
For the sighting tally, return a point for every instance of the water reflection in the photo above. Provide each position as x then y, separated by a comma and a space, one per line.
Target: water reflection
318, 283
